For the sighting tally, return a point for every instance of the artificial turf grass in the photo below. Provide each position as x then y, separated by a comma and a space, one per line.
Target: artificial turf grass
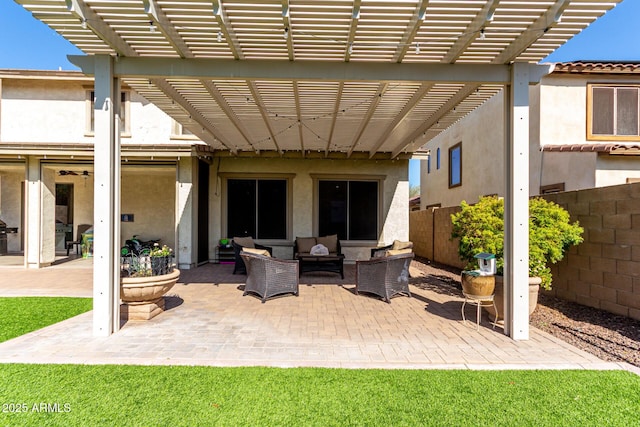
180, 395
20, 315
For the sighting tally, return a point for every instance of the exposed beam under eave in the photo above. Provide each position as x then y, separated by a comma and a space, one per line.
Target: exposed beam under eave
173, 94
460, 96
409, 106
257, 98
416, 22
471, 33
226, 29
367, 118
165, 26
229, 69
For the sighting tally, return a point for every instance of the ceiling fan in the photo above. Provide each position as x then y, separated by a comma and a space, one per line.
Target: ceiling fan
73, 173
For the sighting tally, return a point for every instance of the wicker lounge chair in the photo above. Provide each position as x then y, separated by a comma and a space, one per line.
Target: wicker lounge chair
384, 276
238, 245
268, 276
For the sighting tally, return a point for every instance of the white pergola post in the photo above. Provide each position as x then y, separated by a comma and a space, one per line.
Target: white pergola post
106, 224
32, 210
516, 224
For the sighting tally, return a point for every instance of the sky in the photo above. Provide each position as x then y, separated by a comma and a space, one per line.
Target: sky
26, 43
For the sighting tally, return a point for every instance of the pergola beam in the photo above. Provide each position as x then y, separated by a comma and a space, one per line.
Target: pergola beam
471, 33
229, 35
157, 15
416, 22
229, 69
367, 117
460, 96
409, 106
173, 94
355, 17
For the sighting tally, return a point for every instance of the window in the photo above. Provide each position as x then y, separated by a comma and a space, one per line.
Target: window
348, 209
455, 165
438, 158
613, 112
124, 112
429, 164
257, 208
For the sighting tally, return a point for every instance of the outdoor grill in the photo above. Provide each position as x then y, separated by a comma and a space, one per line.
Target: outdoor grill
4, 230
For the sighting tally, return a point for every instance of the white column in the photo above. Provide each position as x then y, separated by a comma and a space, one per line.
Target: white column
186, 213
47, 216
106, 223
32, 224
516, 245
40, 200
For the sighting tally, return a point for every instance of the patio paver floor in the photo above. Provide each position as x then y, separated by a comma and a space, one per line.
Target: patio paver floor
209, 322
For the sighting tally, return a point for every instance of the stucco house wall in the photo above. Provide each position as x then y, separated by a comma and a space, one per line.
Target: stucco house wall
557, 116
394, 215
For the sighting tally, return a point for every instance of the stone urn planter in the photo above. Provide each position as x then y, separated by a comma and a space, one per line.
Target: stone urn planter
144, 296
145, 278
534, 289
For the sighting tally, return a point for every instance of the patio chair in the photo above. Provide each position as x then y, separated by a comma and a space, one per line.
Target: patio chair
384, 276
82, 228
268, 276
245, 242
397, 245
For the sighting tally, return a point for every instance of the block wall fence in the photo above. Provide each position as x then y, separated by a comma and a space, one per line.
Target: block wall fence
602, 272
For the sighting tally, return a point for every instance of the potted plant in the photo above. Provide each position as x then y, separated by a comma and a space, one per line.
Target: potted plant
480, 228
144, 279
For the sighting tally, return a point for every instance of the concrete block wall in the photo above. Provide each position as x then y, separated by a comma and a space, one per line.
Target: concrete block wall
430, 232
604, 271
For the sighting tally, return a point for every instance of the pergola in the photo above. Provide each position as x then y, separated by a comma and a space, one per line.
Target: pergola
322, 78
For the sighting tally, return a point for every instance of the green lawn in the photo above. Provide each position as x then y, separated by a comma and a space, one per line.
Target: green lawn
81, 395
20, 315
84, 395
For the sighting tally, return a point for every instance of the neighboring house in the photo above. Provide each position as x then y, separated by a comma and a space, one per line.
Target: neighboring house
583, 133
173, 186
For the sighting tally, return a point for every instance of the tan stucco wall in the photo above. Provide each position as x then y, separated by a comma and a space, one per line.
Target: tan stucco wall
481, 134
614, 170
557, 116
395, 197
149, 194
56, 111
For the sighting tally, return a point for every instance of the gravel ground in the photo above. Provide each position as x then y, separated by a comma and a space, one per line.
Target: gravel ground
610, 337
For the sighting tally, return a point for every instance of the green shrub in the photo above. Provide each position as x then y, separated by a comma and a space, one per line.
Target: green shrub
480, 228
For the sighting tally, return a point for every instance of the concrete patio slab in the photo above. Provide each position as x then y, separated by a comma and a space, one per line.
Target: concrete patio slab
209, 322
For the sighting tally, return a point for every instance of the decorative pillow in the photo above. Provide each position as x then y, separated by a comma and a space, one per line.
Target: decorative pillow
305, 244
245, 242
397, 244
392, 252
331, 242
257, 251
